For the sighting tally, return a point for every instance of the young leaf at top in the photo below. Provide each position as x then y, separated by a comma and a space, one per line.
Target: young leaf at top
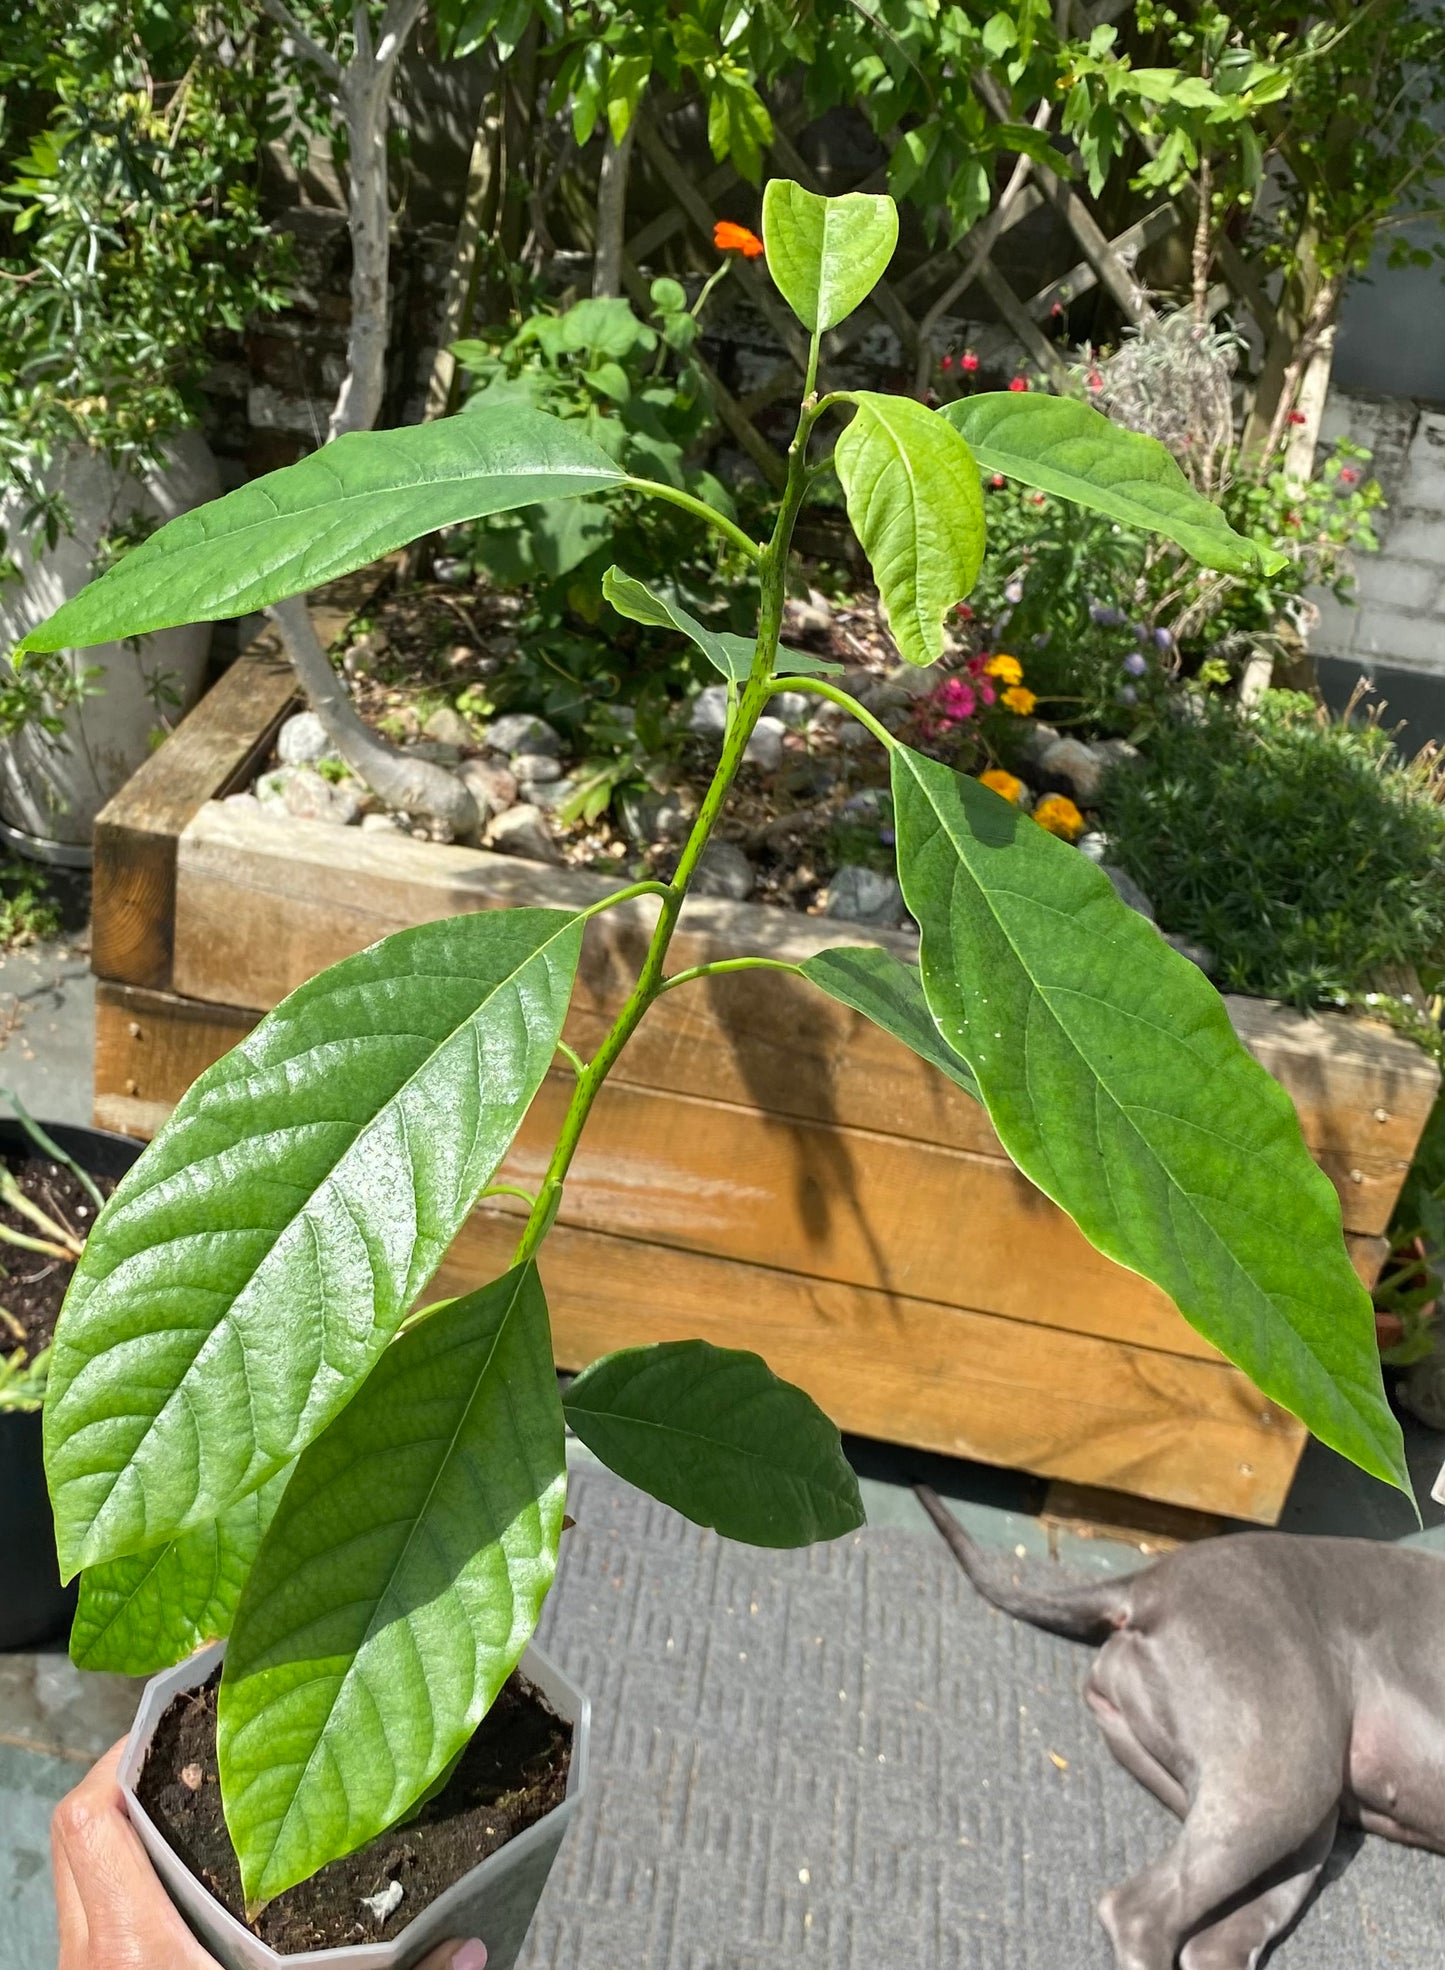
359, 497
399, 1582
1060, 446
916, 505
826, 255
143, 1613
890, 993
714, 1433
246, 1275
732, 655
1116, 1083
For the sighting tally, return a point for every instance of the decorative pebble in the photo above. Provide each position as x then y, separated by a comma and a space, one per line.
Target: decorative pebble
382, 824
1198, 954
302, 740
709, 714
723, 870
1077, 765
765, 747
810, 617
1128, 890
793, 707
450, 727
491, 786
520, 732
192, 1777
862, 895
522, 830
534, 768
552, 794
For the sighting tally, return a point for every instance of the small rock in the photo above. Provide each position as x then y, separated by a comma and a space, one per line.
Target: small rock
912, 680
1037, 740
765, 747
522, 830
386, 1903
1114, 752
383, 824
1198, 954
492, 787
450, 728
535, 768
709, 714
308, 797
1077, 765
243, 803
435, 751
853, 737
793, 707
1093, 846
861, 895
347, 802
454, 573
869, 804
428, 827
192, 1777
653, 816
552, 794
813, 617
1128, 891
724, 870
270, 788
302, 740
521, 732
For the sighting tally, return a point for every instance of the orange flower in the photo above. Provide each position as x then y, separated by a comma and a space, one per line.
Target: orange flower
1058, 816
1002, 783
1007, 669
728, 238
1019, 698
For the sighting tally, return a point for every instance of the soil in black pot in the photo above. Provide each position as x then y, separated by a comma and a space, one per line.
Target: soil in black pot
33, 1284
512, 1773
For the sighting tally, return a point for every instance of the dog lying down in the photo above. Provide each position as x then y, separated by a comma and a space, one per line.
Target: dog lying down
1267, 1689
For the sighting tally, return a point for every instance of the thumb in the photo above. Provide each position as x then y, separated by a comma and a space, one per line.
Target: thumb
468, 1955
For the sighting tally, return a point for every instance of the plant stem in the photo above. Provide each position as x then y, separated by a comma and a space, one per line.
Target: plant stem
720, 966
772, 573
700, 510
835, 696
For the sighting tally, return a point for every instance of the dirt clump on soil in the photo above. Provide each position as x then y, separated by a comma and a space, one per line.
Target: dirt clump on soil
33, 1284
513, 1772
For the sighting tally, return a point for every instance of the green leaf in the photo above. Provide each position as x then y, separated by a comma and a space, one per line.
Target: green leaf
1058, 445
715, 1434
916, 505
729, 654
246, 1275
826, 254
890, 993
999, 35
1116, 1083
398, 1585
141, 1614
360, 497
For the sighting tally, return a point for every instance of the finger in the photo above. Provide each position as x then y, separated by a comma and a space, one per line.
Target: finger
74, 1931
470, 1955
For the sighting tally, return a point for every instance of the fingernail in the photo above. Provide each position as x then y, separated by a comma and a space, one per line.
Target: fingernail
471, 1956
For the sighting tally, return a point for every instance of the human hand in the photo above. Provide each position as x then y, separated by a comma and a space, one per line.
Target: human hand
114, 1913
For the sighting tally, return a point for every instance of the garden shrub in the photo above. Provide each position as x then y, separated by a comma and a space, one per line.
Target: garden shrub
1298, 847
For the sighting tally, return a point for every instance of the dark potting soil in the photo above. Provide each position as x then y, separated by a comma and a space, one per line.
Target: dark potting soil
32, 1284
512, 1773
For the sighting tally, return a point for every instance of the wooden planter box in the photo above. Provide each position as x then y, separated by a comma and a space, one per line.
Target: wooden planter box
764, 1168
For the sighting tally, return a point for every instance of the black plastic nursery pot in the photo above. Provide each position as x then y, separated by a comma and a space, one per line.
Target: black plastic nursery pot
34, 1607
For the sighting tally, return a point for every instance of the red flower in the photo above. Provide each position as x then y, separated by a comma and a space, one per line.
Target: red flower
1291, 519
728, 238
1096, 379
1018, 383
1036, 499
969, 361
947, 363
1057, 310
1348, 475
997, 481
965, 611
1297, 417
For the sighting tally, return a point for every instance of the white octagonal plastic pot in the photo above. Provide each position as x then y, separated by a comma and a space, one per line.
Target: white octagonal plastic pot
496, 1901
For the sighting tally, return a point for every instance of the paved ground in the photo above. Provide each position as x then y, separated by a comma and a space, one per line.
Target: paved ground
837, 1757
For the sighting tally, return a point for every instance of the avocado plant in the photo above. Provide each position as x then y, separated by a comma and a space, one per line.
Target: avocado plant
254, 1429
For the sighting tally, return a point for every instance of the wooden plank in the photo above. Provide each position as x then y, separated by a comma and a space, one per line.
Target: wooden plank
260, 908
149, 1047
1189, 1432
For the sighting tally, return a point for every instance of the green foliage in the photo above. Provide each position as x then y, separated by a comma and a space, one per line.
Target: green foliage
715, 1434
826, 255
1297, 847
28, 910
131, 234
239, 1300
1317, 528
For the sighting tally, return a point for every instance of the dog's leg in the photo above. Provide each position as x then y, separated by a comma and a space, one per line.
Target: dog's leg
1239, 1941
1230, 1840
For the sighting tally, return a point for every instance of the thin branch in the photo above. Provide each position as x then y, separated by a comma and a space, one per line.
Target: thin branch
397, 23
720, 966
308, 50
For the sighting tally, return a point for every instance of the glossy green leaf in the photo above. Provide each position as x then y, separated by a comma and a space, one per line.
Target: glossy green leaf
363, 496
1116, 1083
250, 1269
916, 505
1058, 445
890, 993
826, 255
141, 1614
397, 1587
729, 654
714, 1433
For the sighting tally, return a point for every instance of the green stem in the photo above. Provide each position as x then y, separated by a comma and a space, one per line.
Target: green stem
719, 966
623, 896
700, 510
571, 1055
510, 1190
772, 571
837, 697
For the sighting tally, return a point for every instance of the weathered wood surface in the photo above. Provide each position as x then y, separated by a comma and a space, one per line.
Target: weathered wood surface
259, 909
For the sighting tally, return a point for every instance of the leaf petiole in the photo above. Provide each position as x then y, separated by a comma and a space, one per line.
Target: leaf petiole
700, 510
837, 697
720, 966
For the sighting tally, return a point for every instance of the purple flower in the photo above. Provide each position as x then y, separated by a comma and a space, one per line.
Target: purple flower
1127, 695
1136, 663
1014, 592
1164, 638
887, 837
1106, 618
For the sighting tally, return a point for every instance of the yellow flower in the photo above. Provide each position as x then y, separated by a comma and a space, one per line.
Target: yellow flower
1001, 782
1058, 816
1007, 669
1019, 698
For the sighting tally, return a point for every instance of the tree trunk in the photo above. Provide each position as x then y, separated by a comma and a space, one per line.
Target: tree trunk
366, 100
410, 786
612, 214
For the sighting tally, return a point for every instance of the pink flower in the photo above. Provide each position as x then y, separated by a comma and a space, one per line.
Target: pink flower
1096, 379
1297, 417
968, 361
965, 612
1348, 475
947, 363
1018, 383
997, 482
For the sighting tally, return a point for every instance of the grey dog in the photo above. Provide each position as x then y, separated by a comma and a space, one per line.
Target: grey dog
1267, 1688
